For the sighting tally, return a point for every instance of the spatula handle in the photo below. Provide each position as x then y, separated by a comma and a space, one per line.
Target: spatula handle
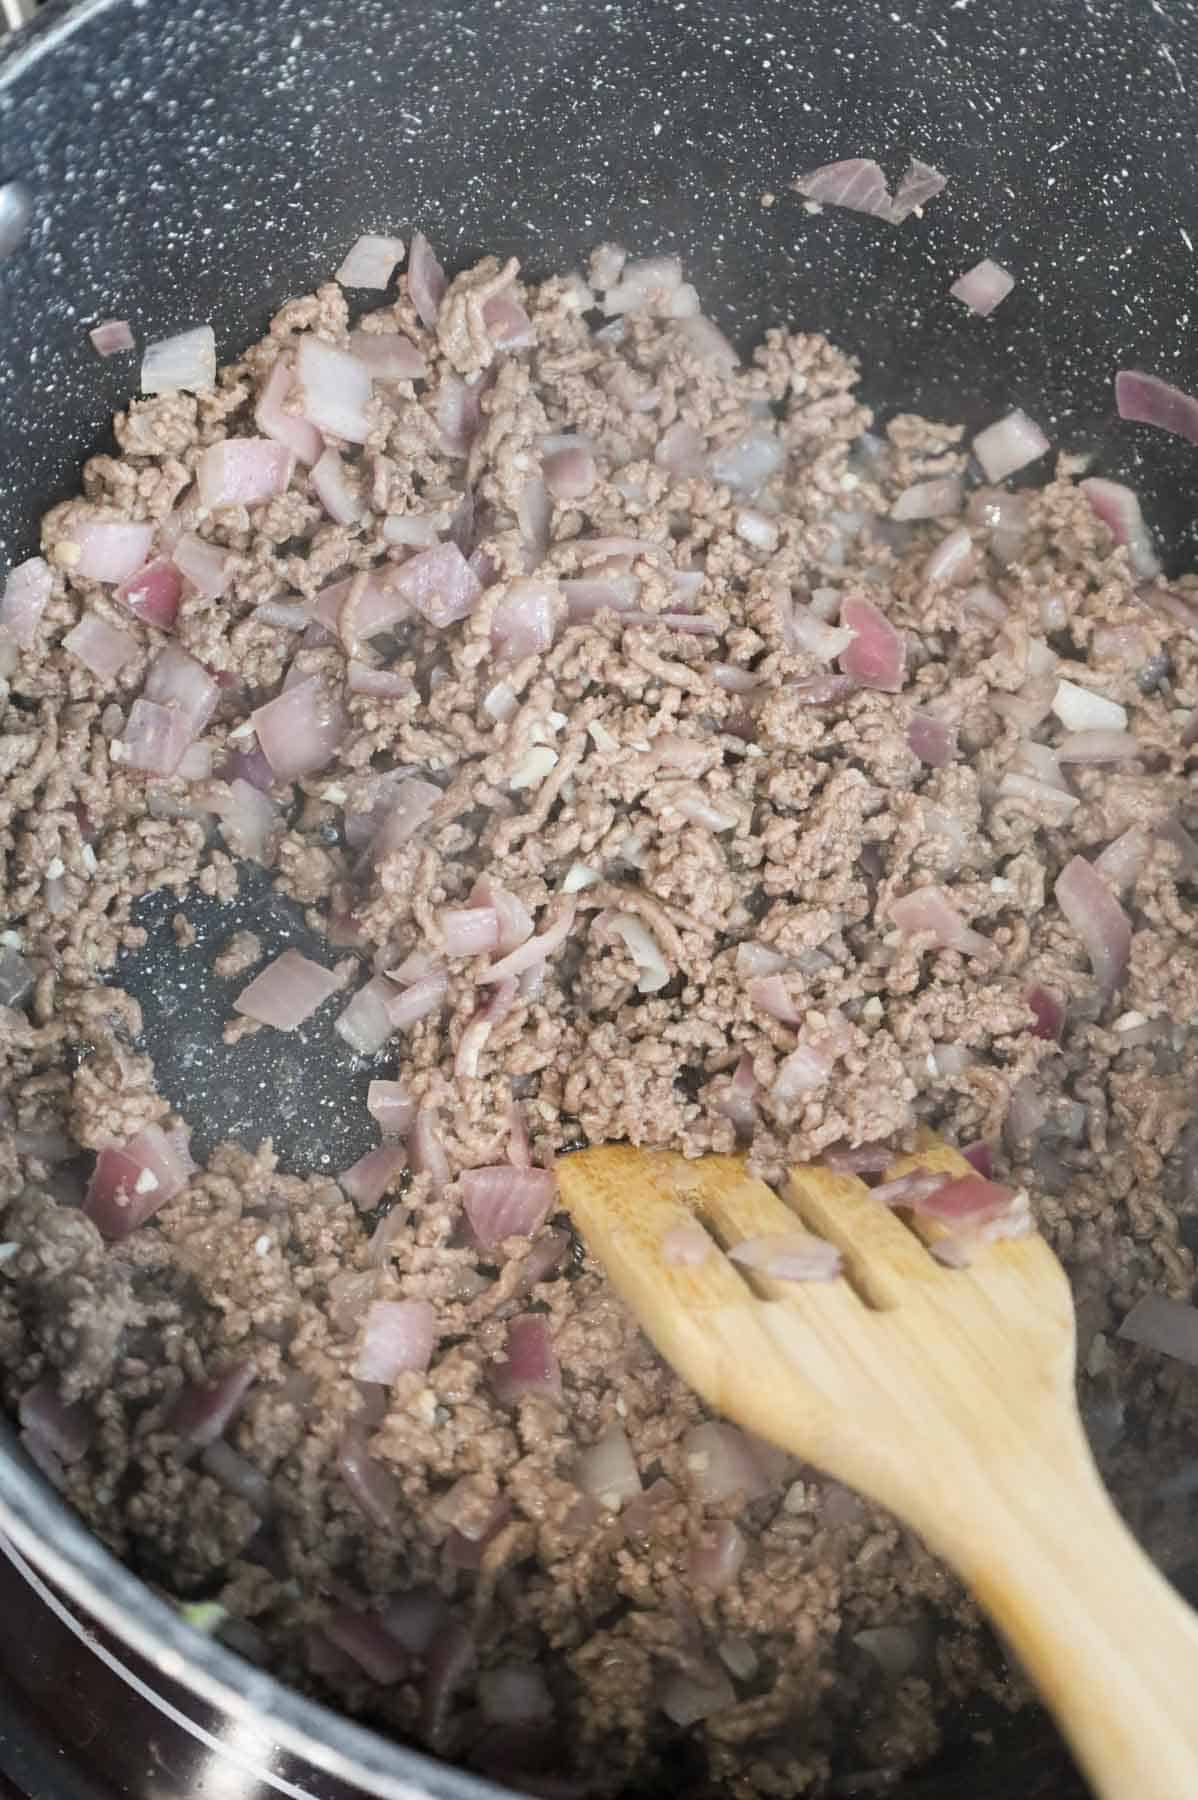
1110, 1645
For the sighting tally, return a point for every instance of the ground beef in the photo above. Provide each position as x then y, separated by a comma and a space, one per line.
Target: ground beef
718, 794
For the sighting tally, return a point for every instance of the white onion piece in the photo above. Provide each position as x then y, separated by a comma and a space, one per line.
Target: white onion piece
182, 364
334, 490
1098, 747
288, 991
334, 389
1119, 509
705, 339
607, 1472
1008, 445
1098, 919
370, 262
644, 950
789, 1256
983, 287
755, 529
109, 550
938, 499
500, 703
25, 595
416, 529
205, 565
111, 336
99, 646
398, 1335
286, 428
1164, 1324
243, 472
1080, 710
686, 1246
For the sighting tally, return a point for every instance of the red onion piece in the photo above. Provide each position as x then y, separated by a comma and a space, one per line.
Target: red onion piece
300, 730
721, 1464
363, 1637
805, 630
534, 513
1147, 400
1120, 863
204, 565
530, 1368
536, 950
519, 1149
248, 819
365, 1024
372, 1486
1119, 509
458, 413
686, 1699
415, 1618
877, 657
202, 1414
440, 584
111, 336
243, 472
718, 1555
860, 1159
789, 1256
102, 648
287, 992
682, 451
927, 911
391, 1106
508, 325
449, 1661
185, 363
177, 680
418, 965
366, 1181
522, 623
1098, 747
933, 740
1008, 445
966, 1199
1048, 1013
822, 690
503, 1201
334, 390
287, 428
686, 1246
606, 1472
857, 184
515, 1694
938, 499
919, 184
380, 684
25, 595
67, 1431
740, 1101
426, 280
1098, 919
771, 994
370, 261
388, 355
153, 593
109, 550
586, 597
469, 930
644, 282
983, 287
1160, 1323
411, 1004
906, 1190
427, 1151
331, 487
514, 918
154, 739
981, 1156
953, 558
398, 1335
806, 1068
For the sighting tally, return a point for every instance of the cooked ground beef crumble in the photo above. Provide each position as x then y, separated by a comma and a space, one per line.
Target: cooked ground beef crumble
677, 797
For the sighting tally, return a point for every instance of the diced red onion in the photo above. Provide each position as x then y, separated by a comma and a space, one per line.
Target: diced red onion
1048, 1013
530, 1368
686, 1699
365, 1024
391, 1106
372, 1486
185, 363
522, 623
415, 1618
1147, 400
416, 966
805, 630
427, 1152
708, 343
379, 684
1119, 510
938, 499
740, 1100
449, 1661
177, 680
202, 1414
607, 1472
398, 1335
1008, 445
132, 1181
516, 1694
363, 1637
909, 1189
519, 1152
333, 490
682, 451
856, 184
100, 647
650, 279
300, 730
932, 739
686, 1246
508, 325
981, 1156
720, 1464
718, 1555
770, 993
334, 390
109, 550
642, 946
388, 355
878, 654
284, 615
1123, 858
1098, 747
243, 472
370, 261
806, 1068
534, 513
66, 1430
984, 603
426, 280
927, 911
154, 738
965, 1199
789, 1256
366, 1181
983, 287
271, 417
535, 950
458, 413
747, 464
409, 806
153, 593
920, 183
25, 595
205, 565
111, 336
586, 597
440, 584
500, 703
1098, 919
248, 819
287, 992
953, 558
418, 530
416, 1002
1164, 1324
503, 1201
470, 930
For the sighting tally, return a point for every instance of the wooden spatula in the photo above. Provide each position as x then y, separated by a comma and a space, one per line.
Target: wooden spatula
945, 1394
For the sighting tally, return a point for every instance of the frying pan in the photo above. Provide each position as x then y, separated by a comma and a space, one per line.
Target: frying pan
180, 161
